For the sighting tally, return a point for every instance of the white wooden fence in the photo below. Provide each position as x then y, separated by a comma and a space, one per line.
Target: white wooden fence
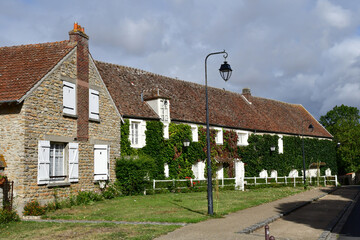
248, 181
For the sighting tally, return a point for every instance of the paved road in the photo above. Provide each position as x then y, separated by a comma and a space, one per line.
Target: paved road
351, 229
308, 222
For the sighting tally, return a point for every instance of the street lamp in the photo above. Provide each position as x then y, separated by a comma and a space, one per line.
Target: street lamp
310, 128
225, 72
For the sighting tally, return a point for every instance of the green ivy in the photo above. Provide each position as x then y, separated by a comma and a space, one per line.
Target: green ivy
256, 155
125, 144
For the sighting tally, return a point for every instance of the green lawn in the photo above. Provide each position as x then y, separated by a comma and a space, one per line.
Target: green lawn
179, 207
45, 231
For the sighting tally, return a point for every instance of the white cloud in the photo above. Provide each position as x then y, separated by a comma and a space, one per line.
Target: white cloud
333, 14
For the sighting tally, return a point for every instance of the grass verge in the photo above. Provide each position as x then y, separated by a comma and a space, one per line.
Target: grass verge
179, 207
44, 231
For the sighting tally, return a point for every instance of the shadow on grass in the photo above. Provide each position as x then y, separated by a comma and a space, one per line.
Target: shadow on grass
188, 209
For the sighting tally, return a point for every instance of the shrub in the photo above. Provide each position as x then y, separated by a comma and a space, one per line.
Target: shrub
87, 197
111, 191
33, 208
133, 173
7, 216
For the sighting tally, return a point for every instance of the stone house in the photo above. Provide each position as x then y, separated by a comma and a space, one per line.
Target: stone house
142, 96
59, 125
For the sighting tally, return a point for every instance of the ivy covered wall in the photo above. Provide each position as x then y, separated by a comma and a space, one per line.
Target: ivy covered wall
257, 155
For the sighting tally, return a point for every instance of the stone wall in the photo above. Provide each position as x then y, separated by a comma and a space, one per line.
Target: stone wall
41, 117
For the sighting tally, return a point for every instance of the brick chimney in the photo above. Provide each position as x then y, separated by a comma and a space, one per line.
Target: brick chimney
246, 92
82, 83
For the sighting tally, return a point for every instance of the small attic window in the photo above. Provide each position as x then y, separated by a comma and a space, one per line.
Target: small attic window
164, 110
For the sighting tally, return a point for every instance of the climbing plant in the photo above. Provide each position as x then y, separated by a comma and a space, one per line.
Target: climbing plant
256, 155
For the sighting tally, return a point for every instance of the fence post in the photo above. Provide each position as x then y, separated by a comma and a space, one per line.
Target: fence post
325, 181
174, 183
191, 182
255, 181
285, 181
222, 182
265, 180
294, 182
336, 182
154, 182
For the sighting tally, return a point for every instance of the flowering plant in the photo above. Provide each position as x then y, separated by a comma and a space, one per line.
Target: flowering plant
2, 175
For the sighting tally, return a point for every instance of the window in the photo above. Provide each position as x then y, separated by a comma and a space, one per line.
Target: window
94, 104
194, 132
101, 162
69, 98
281, 144
134, 133
164, 110
219, 136
166, 131
57, 162
242, 138
137, 136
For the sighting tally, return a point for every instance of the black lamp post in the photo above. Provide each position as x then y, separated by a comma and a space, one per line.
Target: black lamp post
225, 72
310, 128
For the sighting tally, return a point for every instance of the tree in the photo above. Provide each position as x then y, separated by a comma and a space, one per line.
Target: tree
343, 123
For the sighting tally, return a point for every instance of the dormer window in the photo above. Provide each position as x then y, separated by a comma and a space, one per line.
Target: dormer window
164, 110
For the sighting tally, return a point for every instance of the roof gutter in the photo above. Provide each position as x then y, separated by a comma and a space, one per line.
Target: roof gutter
10, 101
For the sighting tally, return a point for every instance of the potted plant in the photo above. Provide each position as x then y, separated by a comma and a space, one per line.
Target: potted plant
3, 178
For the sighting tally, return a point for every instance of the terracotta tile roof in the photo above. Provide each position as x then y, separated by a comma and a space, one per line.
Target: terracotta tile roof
187, 103
21, 67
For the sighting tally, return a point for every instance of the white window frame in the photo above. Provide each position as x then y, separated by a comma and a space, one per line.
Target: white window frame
281, 144
194, 133
219, 139
57, 169
134, 133
69, 98
46, 167
140, 133
166, 131
94, 103
164, 110
243, 137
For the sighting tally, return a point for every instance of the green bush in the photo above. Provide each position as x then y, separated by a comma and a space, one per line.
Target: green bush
87, 197
33, 208
111, 191
133, 173
7, 216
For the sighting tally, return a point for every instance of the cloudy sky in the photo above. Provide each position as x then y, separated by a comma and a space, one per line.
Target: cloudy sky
298, 51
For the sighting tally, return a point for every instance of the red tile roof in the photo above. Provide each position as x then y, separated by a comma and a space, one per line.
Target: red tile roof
187, 103
21, 67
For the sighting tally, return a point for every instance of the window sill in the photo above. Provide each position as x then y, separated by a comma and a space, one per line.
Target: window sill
58, 184
70, 115
94, 120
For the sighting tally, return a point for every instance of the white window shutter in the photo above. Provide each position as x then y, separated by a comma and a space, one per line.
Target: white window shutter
101, 164
142, 135
43, 162
93, 104
69, 98
73, 162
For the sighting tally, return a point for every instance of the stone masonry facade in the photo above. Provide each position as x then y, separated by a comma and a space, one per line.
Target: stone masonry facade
40, 117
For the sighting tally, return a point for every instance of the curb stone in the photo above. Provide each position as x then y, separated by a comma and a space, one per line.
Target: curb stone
94, 221
261, 224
